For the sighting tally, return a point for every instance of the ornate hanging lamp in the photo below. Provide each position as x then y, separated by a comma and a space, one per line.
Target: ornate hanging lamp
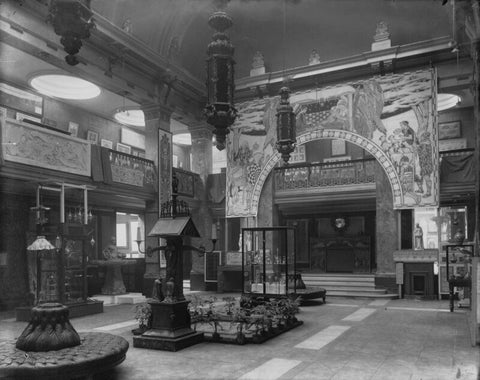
72, 20
285, 115
220, 111
285, 126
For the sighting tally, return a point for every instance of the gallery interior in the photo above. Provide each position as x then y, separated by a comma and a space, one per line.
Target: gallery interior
262, 148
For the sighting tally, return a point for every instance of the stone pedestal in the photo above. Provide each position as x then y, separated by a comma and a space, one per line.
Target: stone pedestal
113, 278
170, 329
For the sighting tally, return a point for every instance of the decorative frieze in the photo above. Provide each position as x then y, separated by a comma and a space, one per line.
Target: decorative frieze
36, 146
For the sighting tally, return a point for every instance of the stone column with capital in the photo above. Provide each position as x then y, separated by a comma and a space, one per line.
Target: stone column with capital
201, 164
157, 125
387, 230
472, 29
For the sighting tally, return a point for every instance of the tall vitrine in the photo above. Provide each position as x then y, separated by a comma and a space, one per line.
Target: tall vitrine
268, 261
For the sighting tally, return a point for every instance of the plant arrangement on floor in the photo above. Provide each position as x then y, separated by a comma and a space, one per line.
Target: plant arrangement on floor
245, 320
143, 314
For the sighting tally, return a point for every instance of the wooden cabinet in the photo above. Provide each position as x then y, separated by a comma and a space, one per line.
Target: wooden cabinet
339, 254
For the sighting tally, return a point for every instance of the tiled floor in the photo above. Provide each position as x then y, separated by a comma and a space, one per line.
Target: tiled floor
343, 339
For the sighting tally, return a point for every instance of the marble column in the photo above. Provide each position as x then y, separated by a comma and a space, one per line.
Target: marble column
201, 214
157, 125
472, 28
387, 225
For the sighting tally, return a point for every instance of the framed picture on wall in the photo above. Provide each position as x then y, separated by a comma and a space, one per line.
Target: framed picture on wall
450, 130
339, 148
73, 128
92, 136
106, 143
124, 148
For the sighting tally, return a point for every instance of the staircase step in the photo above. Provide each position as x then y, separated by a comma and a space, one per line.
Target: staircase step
339, 283
353, 289
128, 298
336, 293
349, 275
347, 285
339, 278
132, 298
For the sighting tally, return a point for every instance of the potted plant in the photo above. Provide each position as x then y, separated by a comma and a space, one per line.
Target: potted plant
230, 303
211, 317
143, 314
196, 310
240, 318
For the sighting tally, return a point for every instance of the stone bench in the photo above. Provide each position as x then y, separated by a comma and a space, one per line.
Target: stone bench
97, 353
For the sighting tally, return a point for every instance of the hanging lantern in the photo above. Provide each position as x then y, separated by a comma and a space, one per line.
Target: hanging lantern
72, 20
285, 126
220, 110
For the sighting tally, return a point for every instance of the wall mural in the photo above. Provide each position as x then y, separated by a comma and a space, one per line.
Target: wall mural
41, 147
393, 117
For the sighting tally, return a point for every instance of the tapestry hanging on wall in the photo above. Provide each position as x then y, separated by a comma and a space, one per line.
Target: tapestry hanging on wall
392, 117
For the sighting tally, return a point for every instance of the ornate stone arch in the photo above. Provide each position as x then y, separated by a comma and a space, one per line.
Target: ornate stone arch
352, 137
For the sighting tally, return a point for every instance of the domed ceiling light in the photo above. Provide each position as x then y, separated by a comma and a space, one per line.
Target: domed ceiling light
446, 101
220, 110
64, 86
130, 116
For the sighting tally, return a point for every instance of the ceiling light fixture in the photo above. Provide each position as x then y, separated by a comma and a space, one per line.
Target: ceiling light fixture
286, 129
446, 101
130, 116
65, 86
72, 20
220, 111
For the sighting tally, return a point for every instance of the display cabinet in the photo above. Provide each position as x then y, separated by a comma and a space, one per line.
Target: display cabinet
62, 272
458, 272
268, 261
58, 257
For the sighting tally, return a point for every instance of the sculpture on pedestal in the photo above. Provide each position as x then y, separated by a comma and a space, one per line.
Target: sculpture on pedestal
418, 234
170, 329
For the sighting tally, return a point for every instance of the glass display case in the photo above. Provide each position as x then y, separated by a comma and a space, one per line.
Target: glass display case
268, 261
458, 273
62, 271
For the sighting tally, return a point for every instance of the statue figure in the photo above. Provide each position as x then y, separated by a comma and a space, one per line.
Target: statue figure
418, 236
258, 60
157, 292
169, 290
111, 251
314, 57
381, 32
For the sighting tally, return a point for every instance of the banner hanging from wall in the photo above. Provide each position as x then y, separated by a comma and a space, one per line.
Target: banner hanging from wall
393, 117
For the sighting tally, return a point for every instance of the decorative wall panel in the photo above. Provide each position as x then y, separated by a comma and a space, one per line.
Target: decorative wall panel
31, 145
392, 117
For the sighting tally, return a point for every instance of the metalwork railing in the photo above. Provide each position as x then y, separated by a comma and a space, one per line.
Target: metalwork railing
325, 174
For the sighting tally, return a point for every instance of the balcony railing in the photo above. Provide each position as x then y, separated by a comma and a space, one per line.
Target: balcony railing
325, 174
